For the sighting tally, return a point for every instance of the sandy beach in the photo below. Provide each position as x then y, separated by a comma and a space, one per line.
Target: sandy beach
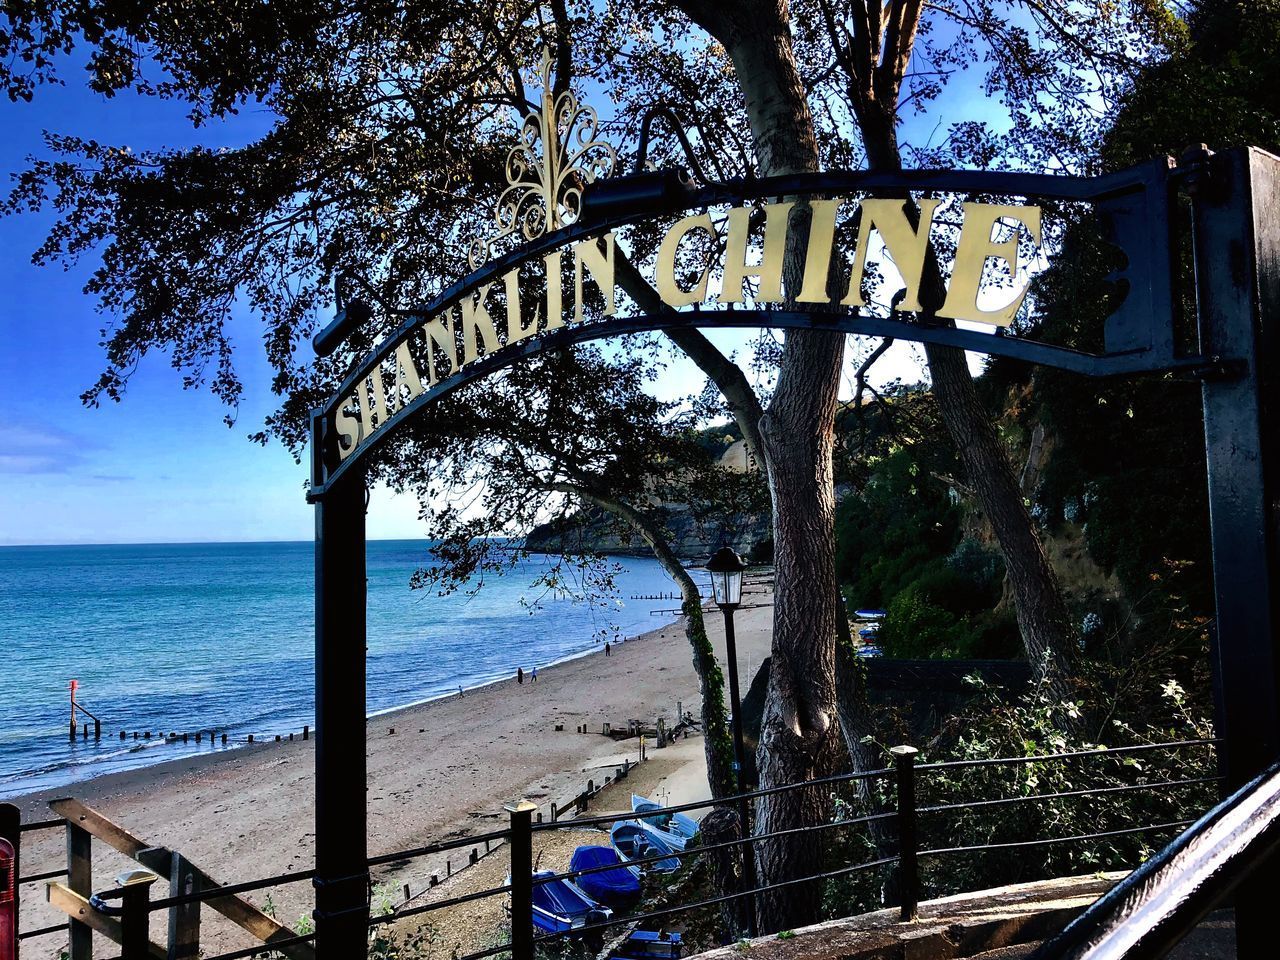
445, 772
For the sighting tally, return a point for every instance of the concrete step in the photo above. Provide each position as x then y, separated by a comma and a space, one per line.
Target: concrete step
1015, 952
1213, 939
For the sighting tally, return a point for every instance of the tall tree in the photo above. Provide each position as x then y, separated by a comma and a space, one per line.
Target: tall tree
390, 123
800, 729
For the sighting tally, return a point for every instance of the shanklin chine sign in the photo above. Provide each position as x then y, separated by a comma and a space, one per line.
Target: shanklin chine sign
701, 262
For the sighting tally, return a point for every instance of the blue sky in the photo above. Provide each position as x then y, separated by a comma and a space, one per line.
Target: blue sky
161, 466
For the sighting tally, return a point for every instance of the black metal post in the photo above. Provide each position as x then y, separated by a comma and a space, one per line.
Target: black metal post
342, 874
908, 843
1236, 196
739, 765
521, 879
135, 916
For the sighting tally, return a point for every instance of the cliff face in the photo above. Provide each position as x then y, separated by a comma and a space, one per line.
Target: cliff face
591, 530
594, 531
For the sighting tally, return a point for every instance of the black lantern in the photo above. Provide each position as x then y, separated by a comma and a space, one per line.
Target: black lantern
726, 568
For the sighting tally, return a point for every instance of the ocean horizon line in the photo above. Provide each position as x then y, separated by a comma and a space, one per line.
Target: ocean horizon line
200, 543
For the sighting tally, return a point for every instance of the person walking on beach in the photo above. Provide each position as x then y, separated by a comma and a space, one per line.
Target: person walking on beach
606, 648
533, 677
519, 674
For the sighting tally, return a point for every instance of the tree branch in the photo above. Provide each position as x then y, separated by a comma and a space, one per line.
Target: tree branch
724, 373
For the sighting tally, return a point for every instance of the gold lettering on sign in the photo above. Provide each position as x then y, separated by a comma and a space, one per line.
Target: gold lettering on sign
408, 381
378, 409
516, 331
817, 259
555, 306
972, 253
904, 234
668, 288
476, 320
600, 265
769, 270
905, 244
348, 430
439, 335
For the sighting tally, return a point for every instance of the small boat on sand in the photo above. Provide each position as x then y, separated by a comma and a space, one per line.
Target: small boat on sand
650, 945
677, 823
635, 840
617, 886
560, 906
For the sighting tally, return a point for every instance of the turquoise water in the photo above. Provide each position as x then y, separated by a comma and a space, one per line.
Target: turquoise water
178, 637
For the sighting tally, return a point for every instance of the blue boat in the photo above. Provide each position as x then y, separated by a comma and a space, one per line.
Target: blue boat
868, 613
560, 906
617, 887
672, 839
635, 840
650, 945
681, 825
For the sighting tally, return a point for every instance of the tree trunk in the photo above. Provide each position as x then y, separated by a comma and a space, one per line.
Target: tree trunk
1047, 632
721, 826
799, 736
857, 724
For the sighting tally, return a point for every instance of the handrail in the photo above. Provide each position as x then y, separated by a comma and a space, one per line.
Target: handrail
1153, 908
886, 816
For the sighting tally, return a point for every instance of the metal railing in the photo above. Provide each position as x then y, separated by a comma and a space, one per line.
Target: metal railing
1157, 905
896, 787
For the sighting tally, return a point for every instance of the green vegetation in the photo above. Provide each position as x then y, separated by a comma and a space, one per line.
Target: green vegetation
993, 726
904, 542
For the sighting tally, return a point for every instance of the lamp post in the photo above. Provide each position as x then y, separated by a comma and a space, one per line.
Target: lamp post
726, 569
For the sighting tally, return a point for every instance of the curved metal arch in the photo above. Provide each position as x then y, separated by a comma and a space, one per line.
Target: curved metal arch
991, 344
1143, 178
1149, 348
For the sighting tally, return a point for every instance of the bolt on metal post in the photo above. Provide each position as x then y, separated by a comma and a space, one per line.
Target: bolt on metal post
908, 868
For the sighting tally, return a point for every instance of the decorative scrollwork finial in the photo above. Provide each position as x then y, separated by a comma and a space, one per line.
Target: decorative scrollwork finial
544, 186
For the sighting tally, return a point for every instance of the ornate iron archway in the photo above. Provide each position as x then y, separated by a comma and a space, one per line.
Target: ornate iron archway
1234, 199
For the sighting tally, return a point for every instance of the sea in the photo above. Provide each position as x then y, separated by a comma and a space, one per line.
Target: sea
186, 637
